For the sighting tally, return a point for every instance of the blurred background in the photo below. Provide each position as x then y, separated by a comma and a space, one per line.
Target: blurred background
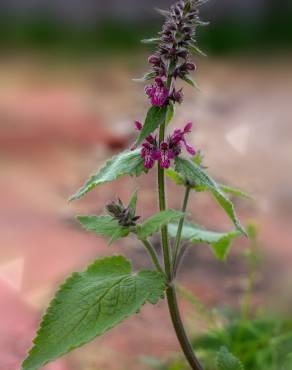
68, 102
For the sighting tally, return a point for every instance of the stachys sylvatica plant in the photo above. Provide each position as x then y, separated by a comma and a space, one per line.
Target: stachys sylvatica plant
92, 302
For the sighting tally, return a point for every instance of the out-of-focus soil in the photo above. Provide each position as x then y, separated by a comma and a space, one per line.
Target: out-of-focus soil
60, 123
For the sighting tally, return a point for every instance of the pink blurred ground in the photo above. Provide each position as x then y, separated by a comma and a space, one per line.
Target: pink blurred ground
57, 125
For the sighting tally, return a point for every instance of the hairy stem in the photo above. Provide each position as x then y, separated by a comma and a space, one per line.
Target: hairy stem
162, 207
171, 293
180, 227
180, 330
152, 253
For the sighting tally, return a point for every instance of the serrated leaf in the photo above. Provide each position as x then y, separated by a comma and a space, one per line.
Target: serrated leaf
104, 226
195, 176
174, 176
153, 40
188, 79
146, 77
125, 163
90, 303
155, 117
226, 361
154, 223
219, 242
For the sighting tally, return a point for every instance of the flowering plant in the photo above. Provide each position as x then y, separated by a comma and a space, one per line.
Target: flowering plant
92, 302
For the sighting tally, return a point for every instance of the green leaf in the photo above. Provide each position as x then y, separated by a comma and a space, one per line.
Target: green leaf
233, 191
198, 158
188, 79
146, 77
196, 50
154, 223
155, 117
226, 361
195, 176
219, 242
104, 226
125, 163
133, 202
153, 40
90, 303
174, 176
169, 113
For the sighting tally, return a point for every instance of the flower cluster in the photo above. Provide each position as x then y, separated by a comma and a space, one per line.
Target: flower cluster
171, 61
125, 216
169, 149
158, 92
176, 38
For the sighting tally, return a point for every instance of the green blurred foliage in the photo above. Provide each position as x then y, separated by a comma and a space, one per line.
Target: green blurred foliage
221, 37
262, 341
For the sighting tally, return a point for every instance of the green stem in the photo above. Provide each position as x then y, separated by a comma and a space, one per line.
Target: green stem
170, 292
180, 227
162, 207
180, 330
152, 253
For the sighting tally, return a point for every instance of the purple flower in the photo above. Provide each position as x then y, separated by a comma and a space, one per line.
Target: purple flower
168, 150
178, 139
173, 146
166, 155
158, 92
177, 96
149, 152
138, 125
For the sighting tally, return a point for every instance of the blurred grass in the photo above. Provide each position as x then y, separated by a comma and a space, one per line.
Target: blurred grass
111, 36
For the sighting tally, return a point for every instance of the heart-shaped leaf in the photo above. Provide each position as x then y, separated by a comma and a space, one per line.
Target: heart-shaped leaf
90, 303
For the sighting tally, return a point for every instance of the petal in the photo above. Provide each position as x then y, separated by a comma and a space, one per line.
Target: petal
188, 128
138, 125
165, 163
156, 155
170, 154
190, 149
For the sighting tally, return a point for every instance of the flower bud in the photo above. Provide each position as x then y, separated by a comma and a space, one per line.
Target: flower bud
191, 66
154, 59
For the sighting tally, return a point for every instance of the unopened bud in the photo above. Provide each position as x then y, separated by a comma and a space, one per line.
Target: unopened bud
154, 59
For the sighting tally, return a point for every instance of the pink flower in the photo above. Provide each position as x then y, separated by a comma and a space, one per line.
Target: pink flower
157, 93
138, 125
149, 152
168, 150
166, 155
178, 139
